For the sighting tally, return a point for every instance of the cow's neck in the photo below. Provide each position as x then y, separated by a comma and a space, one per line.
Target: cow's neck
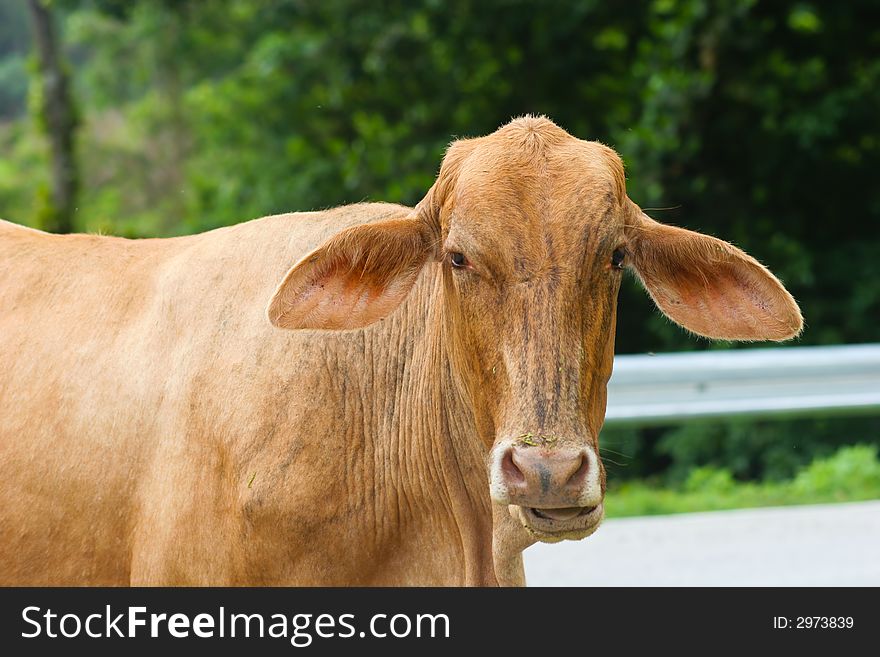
438, 441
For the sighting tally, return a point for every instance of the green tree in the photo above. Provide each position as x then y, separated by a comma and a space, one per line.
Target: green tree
55, 111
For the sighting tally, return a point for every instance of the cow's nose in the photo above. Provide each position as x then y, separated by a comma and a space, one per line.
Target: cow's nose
545, 478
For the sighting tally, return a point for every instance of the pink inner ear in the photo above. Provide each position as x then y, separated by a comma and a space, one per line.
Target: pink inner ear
342, 299
708, 286
338, 297
726, 300
354, 279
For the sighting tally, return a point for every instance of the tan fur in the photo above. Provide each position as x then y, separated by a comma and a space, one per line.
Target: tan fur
157, 429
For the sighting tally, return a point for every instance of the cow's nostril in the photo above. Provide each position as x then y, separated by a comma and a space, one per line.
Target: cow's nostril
511, 471
579, 476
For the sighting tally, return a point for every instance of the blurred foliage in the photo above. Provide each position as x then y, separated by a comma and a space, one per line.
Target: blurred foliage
52, 105
771, 449
758, 122
851, 474
14, 45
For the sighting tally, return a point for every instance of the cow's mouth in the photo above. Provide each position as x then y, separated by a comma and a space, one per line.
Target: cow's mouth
553, 525
566, 513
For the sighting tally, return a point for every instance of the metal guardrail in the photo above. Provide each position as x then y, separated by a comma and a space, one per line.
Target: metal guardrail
793, 381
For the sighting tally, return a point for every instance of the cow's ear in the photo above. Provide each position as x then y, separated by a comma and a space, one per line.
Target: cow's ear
708, 286
354, 279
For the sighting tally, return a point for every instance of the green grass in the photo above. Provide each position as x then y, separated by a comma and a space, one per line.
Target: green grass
851, 474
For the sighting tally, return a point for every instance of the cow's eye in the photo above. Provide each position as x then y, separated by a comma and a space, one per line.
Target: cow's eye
458, 260
617, 258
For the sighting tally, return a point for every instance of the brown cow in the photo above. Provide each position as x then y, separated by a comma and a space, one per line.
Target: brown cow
424, 401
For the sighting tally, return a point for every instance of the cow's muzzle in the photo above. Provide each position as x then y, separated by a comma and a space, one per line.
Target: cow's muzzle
555, 492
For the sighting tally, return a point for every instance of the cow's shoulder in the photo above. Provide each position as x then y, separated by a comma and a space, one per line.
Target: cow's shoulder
304, 231
8, 226
11, 230
341, 216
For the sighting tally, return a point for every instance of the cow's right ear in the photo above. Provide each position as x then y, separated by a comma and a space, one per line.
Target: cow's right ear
708, 286
354, 279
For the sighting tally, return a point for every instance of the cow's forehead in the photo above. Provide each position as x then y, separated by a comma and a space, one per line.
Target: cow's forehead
534, 170
531, 181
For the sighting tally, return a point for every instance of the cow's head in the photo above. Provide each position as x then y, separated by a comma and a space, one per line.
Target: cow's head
531, 230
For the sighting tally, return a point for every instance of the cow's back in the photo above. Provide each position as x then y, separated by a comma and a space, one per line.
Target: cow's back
120, 360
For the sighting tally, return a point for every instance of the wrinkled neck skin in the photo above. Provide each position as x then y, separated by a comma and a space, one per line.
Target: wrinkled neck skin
443, 432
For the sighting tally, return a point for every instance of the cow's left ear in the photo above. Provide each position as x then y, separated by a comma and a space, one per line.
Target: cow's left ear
354, 279
708, 286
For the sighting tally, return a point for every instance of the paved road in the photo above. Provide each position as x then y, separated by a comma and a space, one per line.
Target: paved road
823, 545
